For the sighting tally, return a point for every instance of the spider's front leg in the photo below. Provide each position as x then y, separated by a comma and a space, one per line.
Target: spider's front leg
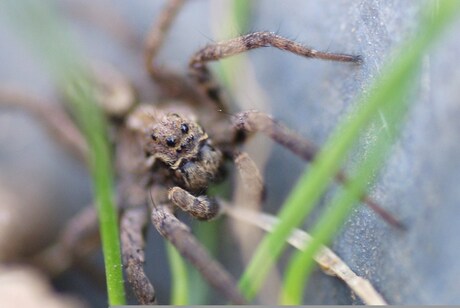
224, 49
220, 50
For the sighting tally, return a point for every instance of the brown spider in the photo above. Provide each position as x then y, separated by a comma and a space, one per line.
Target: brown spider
161, 150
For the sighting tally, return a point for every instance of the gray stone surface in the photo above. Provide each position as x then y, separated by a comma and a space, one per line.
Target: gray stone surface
418, 184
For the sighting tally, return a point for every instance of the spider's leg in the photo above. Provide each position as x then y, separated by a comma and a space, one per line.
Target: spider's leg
224, 49
55, 120
76, 241
209, 87
133, 179
250, 175
83, 225
132, 229
217, 51
180, 236
255, 121
201, 207
170, 82
158, 33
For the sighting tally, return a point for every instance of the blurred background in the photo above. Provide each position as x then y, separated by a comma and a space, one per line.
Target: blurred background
41, 186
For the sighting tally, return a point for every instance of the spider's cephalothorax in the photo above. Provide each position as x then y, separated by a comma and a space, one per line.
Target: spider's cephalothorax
182, 144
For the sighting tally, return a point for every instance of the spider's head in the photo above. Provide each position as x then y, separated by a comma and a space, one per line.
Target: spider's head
173, 138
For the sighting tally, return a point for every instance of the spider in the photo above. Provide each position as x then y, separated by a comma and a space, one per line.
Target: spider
166, 160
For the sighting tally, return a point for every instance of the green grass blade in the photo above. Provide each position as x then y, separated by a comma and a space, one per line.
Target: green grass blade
237, 20
101, 172
313, 184
179, 277
241, 11
208, 233
41, 28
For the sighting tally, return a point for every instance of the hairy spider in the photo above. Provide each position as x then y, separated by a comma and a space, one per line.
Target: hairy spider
166, 159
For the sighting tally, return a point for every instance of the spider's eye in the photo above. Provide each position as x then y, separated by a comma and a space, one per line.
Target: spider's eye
184, 128
154, 138
171, 141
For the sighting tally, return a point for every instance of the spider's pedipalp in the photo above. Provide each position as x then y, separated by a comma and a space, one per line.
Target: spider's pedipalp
201, 207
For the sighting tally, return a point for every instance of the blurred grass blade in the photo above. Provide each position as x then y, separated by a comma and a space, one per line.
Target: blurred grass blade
179, 279
390, 93
241, 12
208, 233
236, 20
39, 25
102, 175
392, 87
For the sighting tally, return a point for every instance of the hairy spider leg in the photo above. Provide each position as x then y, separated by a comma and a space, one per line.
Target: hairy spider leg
220, 50
132, 229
